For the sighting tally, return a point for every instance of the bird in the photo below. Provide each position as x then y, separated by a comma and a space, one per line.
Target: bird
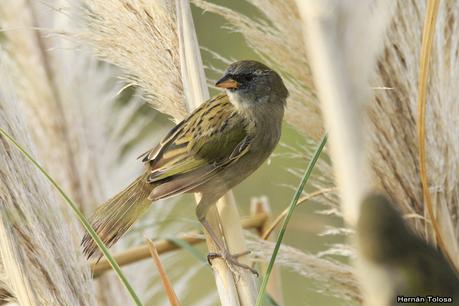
408, 266
216, 147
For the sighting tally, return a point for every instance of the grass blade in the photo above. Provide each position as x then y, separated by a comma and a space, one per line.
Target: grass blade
81, 218
292, 206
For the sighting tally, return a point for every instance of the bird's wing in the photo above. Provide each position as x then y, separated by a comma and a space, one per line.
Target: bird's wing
195, 150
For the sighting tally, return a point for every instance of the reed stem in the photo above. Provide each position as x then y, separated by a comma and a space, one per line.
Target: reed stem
233, 289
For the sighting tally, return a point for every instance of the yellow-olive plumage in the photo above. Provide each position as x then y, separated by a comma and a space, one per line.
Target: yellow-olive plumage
215, 148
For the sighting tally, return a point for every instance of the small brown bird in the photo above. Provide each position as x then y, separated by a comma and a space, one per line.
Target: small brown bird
221, 143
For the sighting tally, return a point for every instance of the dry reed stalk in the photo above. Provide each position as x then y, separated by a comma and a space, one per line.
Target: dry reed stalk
343, 40
163, 275
235, 288
343, 47
141, 252
195, 92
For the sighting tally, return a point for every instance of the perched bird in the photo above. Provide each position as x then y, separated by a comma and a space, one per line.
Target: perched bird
408, 266
215, 148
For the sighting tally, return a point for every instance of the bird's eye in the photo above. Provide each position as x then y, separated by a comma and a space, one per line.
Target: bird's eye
244, 78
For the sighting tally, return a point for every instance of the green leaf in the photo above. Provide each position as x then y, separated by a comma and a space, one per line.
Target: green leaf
81, 218
295, 199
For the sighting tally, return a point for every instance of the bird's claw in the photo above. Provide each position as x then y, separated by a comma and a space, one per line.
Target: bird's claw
231, 259
211, 256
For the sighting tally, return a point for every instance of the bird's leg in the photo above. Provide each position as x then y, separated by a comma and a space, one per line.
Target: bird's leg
201, 212
223, 251
212, 255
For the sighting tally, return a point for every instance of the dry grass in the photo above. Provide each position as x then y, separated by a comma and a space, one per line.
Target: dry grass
40, 266
65, 95
332, 278
394, 155
29, 66
65, 92
140, 38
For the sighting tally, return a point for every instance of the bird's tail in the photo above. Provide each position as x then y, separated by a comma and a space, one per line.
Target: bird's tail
113, 218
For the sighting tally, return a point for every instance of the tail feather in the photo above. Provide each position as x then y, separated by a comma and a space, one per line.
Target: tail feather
113, 218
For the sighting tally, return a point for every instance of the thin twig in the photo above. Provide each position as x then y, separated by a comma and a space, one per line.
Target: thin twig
162, 273
142, 252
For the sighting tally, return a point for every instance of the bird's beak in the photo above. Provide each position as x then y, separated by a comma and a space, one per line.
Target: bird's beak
227, 82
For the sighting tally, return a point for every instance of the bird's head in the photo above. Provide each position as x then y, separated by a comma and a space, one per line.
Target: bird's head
253, 82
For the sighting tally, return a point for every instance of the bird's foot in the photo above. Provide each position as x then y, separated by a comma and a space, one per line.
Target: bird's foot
231, 259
